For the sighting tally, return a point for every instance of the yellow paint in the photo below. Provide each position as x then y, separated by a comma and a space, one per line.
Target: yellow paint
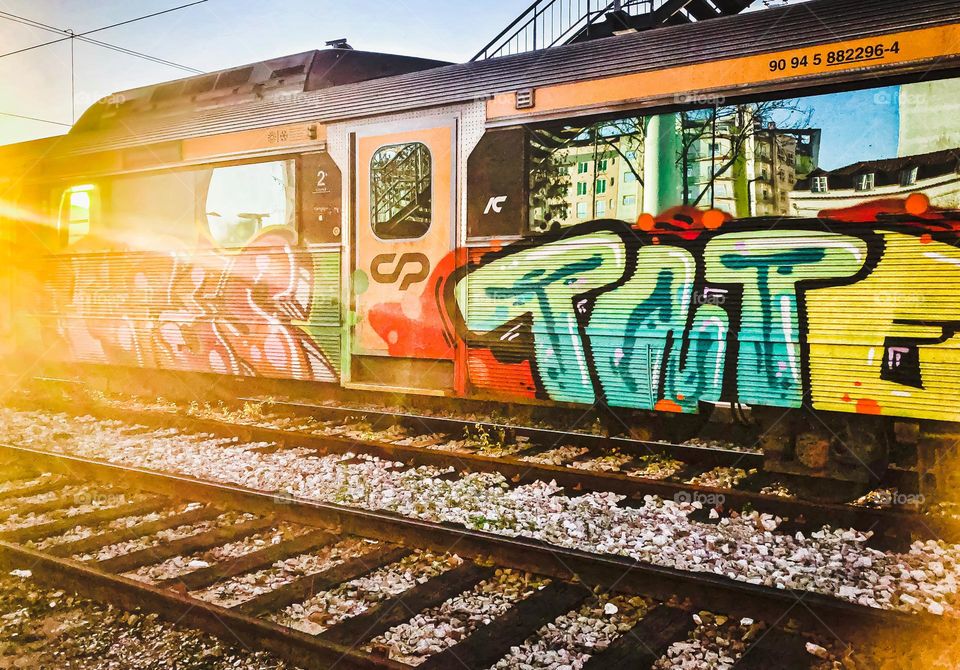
915, 46
849, 325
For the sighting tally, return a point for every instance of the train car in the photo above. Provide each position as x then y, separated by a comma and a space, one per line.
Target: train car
758, 213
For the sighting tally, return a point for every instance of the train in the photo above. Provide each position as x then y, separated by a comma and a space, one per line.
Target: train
756, 215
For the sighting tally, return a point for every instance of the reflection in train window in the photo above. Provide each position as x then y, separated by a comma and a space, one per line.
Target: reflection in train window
243, 200
777, 157
401, 198
78, 206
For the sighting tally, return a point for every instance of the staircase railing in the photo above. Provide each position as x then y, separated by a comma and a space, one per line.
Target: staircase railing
547, 23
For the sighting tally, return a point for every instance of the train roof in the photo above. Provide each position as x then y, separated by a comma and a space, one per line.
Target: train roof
265, 80
790, 27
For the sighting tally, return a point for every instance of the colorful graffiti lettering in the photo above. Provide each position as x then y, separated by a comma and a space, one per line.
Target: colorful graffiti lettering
857, 317
255, 312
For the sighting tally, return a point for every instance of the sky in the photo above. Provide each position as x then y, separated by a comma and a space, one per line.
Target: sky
856, 125
214, 35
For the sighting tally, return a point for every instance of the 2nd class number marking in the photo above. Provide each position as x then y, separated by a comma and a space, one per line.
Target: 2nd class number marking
836, 57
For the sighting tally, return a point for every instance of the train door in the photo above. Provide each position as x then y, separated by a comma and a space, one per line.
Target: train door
404, 241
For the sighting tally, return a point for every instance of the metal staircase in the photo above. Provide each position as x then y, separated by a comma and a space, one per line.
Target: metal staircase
549, 23
400, 193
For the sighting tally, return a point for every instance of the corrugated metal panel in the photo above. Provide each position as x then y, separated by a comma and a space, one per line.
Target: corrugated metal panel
265, 311
853, 318
508, 372
791, 27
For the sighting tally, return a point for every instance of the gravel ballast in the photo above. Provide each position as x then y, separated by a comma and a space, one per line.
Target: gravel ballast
747, 547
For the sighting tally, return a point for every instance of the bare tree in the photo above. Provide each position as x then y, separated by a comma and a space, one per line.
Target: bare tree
744, 123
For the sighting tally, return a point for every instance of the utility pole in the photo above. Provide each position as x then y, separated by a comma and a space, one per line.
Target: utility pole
73, 79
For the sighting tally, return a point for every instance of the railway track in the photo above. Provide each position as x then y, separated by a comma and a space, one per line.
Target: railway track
65, 517
585, 462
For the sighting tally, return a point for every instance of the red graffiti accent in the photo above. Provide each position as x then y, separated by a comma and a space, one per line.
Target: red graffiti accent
513, 378
685, 222
868, 406
418, 328
202, 312
915, 209
668, 405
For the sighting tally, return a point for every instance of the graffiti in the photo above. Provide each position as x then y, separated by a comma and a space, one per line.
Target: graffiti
249, 313
686, 309
415, 326
413, 277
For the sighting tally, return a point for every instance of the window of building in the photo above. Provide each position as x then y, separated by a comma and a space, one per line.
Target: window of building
583, 168
581, 188
243, 200
581, 210
908, 176
629, 177
601, 186
631, 155
865, 182
601, 209
819, 185
602, 165
79, 205
629, 200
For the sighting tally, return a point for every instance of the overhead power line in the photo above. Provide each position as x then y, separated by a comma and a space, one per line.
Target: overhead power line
97, 30
34, 118
106, 45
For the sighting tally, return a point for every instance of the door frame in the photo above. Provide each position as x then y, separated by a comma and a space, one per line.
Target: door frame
355, 132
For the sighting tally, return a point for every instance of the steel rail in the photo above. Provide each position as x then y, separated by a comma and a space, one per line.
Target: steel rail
683, 452
305, 651
714, 592
888, 526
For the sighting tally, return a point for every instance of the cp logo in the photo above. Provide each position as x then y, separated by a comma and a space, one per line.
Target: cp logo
421, 272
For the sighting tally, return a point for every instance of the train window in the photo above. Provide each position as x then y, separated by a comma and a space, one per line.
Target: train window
79, 205
770, 157
243, 200
401, 191
155, 211
560, 157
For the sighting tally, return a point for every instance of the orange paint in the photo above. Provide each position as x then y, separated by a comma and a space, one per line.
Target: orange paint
868, 406
926, 238
667, 405
486, 372
846, 397
917, 204
646, 222
726, 74
252, 140
713, 219
382, 308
